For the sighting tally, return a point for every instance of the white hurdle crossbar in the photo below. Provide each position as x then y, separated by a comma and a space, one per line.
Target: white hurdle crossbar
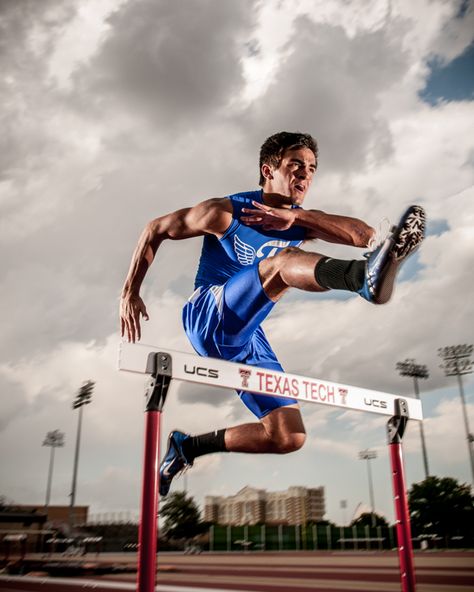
214, 372
164, 365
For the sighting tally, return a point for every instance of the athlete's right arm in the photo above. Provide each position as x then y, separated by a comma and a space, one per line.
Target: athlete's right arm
212, 216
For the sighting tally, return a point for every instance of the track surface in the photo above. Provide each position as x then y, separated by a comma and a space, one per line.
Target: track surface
273, 572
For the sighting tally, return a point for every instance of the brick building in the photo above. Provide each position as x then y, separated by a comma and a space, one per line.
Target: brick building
38, 522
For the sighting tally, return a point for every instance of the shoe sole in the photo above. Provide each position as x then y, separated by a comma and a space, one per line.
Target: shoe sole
410, 232
407, 237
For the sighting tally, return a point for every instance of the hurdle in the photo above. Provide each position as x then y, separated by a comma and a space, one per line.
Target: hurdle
163, 365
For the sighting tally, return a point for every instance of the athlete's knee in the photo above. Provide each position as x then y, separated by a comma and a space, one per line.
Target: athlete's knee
289, 443
274, 269
287, 255
281, 259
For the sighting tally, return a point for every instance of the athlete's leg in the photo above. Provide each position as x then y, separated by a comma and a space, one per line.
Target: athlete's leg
280, 427
222, 321
295, 268
290, 268
373, 279
279, 432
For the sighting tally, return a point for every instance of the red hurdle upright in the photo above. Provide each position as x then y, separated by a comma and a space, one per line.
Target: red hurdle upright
159, 368
395, 430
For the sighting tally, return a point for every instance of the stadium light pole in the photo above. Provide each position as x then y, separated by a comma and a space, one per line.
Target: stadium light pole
83, 397
410, 368
457, 362
54, 439
368, 455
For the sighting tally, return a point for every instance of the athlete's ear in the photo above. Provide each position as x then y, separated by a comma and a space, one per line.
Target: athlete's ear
267, 171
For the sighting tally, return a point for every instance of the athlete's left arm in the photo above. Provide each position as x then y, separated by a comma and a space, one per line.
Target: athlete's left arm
332, 228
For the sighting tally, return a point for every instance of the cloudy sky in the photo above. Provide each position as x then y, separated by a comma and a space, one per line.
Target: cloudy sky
118, 111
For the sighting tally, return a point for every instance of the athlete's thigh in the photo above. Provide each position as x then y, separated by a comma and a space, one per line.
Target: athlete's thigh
201, 317
284, 420
261, 354
244, 306
221, 320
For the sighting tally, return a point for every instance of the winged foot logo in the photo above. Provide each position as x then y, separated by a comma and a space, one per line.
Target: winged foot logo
246, 254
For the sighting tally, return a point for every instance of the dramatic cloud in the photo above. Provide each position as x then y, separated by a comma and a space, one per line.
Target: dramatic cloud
173, 64
114, 113
335, 93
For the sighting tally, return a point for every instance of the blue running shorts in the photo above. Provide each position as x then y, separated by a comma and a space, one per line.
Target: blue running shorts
224, 322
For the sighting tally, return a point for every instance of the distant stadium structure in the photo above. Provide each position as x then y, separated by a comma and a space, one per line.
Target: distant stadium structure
296, 505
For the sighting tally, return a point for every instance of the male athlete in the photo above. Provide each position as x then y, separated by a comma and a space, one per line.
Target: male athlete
250, 257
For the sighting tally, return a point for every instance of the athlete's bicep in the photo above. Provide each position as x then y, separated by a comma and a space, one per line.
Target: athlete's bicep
208, 217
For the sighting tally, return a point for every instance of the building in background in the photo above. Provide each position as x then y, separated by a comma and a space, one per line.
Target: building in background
296, 505
58, 516
37, 523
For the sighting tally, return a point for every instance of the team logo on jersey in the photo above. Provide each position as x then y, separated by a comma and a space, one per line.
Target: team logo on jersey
246, 254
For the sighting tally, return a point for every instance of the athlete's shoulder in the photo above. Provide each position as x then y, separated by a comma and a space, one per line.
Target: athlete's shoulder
214, 206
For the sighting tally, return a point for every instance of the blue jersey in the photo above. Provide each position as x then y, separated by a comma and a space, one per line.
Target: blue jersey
242, 246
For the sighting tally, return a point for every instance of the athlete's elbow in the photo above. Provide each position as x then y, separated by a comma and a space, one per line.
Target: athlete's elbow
155, 232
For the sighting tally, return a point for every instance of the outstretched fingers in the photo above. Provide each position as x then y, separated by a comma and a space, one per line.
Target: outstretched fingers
270, 218
141, 311
261, 206
130, 318
131, 328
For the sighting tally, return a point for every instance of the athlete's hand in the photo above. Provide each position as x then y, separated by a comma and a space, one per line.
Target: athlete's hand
269, 218
131, 307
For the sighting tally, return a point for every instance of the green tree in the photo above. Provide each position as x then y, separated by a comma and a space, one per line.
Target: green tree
365, 519
441, 506
181, 514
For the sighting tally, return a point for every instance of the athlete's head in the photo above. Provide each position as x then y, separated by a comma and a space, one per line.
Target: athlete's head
287, 165
273, 148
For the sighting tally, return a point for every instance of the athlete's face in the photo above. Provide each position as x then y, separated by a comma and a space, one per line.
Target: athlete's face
293, 177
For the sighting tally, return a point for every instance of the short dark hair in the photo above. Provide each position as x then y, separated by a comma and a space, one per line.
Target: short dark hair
272, 149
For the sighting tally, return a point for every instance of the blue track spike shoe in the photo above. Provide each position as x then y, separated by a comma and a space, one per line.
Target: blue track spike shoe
174, 461
384, 261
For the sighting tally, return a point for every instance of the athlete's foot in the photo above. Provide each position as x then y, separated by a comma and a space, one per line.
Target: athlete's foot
173, 462
384, 262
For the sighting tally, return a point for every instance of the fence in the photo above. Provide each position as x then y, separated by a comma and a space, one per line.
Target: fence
321, 537
300, 538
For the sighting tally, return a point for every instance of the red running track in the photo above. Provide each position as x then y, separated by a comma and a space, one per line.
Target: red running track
278, 572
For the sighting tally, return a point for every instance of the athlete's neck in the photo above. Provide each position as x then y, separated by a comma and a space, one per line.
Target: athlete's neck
276, 200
